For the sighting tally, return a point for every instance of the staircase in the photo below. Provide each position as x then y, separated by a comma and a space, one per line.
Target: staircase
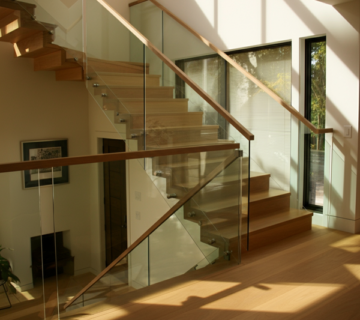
169, 124
119, 88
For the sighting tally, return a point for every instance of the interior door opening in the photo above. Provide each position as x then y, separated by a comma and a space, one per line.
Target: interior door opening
115, 202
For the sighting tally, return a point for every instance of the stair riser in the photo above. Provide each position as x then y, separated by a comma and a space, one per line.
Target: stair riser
10, 23
162, 120
259, 184
269, 205
124, 80
181, 159
151, 93
220, 219
279, 232
34, 45
4, 12
123, 106
53, 61
73, 74
211, 194
167, 136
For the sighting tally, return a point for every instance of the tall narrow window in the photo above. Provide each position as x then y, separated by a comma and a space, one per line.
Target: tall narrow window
315, 103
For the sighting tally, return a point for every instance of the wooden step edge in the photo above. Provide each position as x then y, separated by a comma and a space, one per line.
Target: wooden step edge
203, 127
137, 87
151, 99
258, 175
271, 225
271, 222
265, 196
134, 75
162, 114
118, 62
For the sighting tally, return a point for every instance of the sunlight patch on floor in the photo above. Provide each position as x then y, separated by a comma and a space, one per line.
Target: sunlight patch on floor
349, 244
354, 269
298, 297
207, 289
26, 295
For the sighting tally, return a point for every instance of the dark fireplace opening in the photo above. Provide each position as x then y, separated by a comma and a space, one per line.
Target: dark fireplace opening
47, 264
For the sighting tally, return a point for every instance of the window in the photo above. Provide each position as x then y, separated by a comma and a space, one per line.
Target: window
315, 103
270, 122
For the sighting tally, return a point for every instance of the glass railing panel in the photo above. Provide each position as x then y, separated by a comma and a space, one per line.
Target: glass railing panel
25, 218
172, 250
128, 275
92, 224
176, 175
216, 208
176, 115
116, 79
177, 245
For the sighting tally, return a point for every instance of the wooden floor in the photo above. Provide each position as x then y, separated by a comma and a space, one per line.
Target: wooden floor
314, 275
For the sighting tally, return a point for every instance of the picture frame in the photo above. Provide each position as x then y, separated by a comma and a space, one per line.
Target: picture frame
41, 150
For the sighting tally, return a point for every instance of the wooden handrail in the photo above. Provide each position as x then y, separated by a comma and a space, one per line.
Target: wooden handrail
136, 2
224, 113
61, 162
203, 182
247, 74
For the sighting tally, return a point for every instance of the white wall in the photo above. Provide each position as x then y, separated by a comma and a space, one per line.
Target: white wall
237, 24
35, 107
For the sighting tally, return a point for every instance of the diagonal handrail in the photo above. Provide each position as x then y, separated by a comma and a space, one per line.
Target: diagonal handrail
224, 113
203, 182
247, 74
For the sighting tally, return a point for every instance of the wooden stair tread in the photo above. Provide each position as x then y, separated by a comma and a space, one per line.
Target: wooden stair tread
203, 127
135, 87
118, 74
224, 179
271, 193
255, 175
117, 62
151, 99
192, 163
261, 223
164, 114
224, 203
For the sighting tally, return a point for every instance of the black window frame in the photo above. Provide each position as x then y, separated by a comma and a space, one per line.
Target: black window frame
307, 114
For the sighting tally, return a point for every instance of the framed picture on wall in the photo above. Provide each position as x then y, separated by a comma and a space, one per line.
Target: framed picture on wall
42, 150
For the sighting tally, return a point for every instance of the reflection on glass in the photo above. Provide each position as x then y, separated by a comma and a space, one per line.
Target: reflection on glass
260, 114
